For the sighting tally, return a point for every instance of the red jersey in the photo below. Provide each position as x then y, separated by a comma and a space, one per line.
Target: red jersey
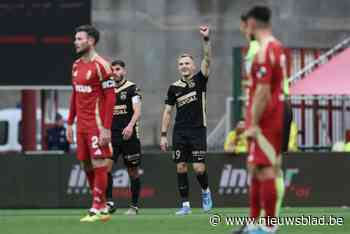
271, 72
93, 95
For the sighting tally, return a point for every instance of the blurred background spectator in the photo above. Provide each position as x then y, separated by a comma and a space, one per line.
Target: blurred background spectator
293, 137
235, 141
56, 135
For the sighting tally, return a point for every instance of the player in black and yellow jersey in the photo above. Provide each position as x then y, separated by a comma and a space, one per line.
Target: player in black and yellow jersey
188, 94
125, 134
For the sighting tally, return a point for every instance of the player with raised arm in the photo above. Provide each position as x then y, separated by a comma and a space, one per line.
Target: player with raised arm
188, 94
92, 103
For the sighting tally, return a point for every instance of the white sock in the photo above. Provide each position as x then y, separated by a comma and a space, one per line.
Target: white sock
110, 203
94, 210
104, 210
206, 190
187, 204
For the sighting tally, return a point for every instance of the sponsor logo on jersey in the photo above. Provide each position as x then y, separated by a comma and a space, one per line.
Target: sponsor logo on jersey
186, 99
235, 181
98, 152
120, 110
83, 88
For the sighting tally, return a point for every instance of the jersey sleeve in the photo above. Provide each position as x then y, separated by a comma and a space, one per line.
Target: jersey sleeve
107, 83
105, 75
201, 79
72, 108
170, 98
264, 71
135, 92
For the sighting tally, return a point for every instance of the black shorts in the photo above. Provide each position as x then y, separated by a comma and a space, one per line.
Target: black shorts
189, 145
130, 150
287, 121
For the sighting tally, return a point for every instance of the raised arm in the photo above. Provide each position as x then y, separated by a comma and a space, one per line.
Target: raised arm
205, 32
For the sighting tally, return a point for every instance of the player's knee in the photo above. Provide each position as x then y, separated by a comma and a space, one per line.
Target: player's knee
181, 167
199, 168
109, 165
251, 169
133, 172
267, 173
86, 165
99, 162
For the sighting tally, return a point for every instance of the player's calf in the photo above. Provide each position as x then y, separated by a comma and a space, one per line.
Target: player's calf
183, 187
109, 191
100, 183
268, 193
202, 177
135, 187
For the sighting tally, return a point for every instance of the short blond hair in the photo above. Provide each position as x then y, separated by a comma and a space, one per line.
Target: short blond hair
185, 55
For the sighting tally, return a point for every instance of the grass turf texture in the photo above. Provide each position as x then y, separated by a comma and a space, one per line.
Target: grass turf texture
151, 221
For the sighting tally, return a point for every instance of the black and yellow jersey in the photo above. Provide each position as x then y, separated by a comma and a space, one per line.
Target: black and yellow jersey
123, 111
189, 96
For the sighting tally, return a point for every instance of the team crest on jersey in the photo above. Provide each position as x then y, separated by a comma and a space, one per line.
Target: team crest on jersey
191, 84
88, 75
123, 95
261, 72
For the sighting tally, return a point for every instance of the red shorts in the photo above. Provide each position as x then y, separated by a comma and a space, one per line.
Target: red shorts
88, 147
265, 149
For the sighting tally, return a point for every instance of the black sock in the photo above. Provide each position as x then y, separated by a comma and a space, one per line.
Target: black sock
182, 183
135, 188
203, 180
109, 190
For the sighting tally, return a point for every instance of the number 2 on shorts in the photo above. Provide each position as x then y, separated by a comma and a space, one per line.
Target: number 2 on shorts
94, 140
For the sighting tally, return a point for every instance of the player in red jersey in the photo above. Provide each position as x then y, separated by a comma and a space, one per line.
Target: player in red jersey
92, 103
265, 117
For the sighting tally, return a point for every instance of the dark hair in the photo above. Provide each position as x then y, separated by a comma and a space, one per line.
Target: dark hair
58, 117
244, 17
118, 62
260, 13
90, 30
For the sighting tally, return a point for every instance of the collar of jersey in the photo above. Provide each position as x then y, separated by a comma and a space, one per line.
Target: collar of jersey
187, 81
122, 84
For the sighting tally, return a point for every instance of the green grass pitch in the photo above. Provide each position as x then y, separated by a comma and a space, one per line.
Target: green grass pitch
151, 221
